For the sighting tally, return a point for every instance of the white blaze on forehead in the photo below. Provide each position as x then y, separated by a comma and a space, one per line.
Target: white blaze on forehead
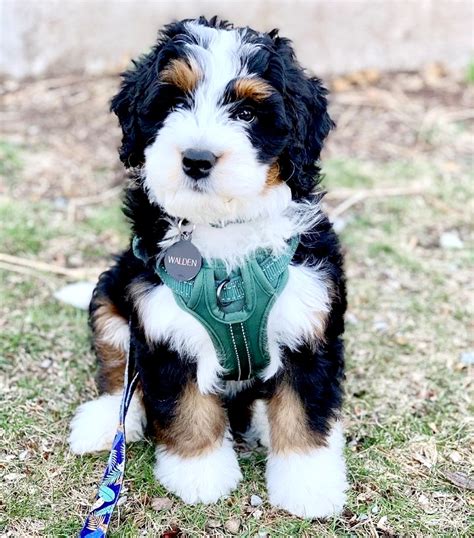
222, 56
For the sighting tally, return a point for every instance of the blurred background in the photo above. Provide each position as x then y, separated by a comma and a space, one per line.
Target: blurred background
399, 175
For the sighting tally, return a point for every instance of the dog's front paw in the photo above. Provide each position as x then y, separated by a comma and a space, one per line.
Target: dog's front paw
310, 485
95, 423
199, 479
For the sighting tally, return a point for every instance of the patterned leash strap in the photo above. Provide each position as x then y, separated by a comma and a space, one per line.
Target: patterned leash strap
98, 519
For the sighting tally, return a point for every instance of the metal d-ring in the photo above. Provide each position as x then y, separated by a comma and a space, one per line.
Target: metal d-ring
185, 234
220, 289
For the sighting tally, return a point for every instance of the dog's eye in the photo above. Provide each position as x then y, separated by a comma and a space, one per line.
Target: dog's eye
245, 114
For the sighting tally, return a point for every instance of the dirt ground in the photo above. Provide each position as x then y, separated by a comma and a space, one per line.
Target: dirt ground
399, 175
379, 118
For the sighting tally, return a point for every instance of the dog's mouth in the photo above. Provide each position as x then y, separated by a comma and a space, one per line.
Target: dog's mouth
202, 186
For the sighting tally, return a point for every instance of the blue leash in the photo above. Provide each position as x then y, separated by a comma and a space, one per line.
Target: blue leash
98, 519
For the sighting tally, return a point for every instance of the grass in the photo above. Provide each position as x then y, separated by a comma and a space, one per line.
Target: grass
407, 407
406, 393
470, 72
10, 161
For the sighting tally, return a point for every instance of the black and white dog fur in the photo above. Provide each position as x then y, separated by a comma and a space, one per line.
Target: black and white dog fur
239, 100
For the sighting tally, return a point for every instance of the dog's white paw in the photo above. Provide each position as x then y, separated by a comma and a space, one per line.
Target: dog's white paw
200, 479
95, 423
310, 485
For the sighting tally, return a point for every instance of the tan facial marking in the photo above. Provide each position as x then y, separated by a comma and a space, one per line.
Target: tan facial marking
289, 429
273, 176
198, 425
255, 89
184, 74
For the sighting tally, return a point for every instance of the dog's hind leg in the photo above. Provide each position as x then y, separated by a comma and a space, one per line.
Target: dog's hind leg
94, 424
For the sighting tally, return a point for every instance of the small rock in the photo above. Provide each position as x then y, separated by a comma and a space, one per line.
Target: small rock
262, 534
381, 326
450, 240
383, 523
467, 357
401, 340
75, 260
257, 514
351, 318
60, 202
461, 480
232, 525
11, 477
455, 456
161, 503
375, 509
123, 499
213, 524
23, 455
339, 224
426, 505
362, 517
255, 500
46, 363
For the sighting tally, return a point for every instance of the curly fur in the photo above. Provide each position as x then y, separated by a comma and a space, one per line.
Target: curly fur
261, 191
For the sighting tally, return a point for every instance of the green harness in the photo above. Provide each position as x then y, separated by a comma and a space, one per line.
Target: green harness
234, 307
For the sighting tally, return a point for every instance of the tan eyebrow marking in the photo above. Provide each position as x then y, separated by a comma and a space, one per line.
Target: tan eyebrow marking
184, 74
253, 88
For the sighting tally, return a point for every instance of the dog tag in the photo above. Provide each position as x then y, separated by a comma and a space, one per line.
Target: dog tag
183, 260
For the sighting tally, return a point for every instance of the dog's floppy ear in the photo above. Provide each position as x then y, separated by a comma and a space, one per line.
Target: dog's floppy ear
125, 105
137, 83
306, 108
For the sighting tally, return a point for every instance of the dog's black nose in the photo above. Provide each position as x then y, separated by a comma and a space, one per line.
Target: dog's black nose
197, 163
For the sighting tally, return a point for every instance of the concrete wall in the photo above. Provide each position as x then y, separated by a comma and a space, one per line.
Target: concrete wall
54, 37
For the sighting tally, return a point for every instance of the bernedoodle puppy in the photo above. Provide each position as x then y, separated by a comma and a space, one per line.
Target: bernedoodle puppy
231, 296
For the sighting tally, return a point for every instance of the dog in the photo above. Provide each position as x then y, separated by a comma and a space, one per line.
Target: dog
222, 135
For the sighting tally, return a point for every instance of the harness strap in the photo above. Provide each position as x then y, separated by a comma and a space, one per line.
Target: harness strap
234, 308
233, 289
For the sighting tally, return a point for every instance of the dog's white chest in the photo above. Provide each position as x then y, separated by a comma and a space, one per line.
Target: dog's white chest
299, 312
